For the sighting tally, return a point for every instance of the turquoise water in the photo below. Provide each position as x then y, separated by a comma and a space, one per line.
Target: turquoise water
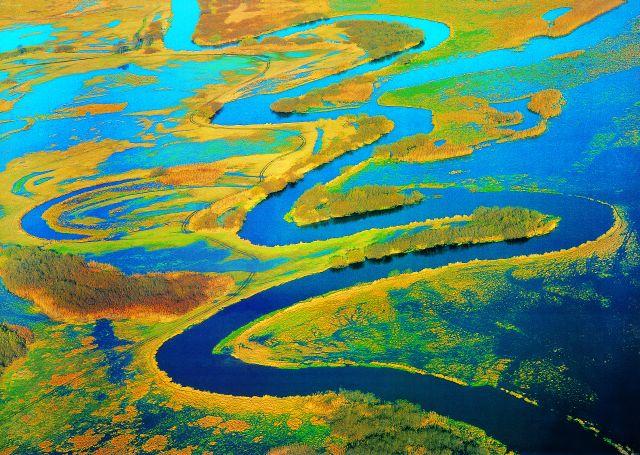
184, 18
552, 15
18, 36
171, 84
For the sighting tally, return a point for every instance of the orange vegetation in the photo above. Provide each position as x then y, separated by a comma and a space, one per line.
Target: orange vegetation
234, 426
63, 379
65, 286
92, 109
546, 103
192, 174
234, 19
572, 54
209, 421
86, 440
155, 443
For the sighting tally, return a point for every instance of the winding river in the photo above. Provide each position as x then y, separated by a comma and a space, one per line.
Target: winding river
187, 358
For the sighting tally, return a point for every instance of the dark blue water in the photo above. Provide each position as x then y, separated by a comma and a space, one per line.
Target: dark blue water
188, 359
116, 360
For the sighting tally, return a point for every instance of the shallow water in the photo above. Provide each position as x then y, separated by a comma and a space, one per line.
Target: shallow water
18, 36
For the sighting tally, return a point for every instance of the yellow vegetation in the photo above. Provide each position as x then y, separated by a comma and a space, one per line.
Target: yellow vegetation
546, 103
155, 443
193, 174
344, 93
91, 109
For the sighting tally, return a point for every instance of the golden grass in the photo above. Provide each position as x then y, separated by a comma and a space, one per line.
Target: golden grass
546, 103
91, 109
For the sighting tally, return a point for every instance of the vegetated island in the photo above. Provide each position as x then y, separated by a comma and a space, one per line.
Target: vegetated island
484, 225
342, 94
462, 123
67, 287
322, 204
379, 39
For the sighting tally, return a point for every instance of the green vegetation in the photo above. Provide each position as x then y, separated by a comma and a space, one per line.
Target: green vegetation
14, 341
366, 425
321, 204
66, 286
485, 224
380, 39
402, 427
420, 148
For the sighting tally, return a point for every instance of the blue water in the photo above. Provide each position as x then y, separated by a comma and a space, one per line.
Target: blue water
33, 221
196, 257
15, 310
552, 15
187, 358
17, 36
185, 16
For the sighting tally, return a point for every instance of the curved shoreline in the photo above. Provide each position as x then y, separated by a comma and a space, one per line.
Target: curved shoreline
467, 402
187, 360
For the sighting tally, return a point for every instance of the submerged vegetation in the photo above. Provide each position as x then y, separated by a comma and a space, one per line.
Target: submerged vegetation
66, 286
321, 204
